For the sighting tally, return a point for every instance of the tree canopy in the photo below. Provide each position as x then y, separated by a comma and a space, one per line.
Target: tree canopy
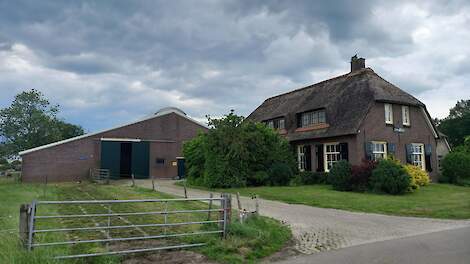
457, 125
236, 152
31, 121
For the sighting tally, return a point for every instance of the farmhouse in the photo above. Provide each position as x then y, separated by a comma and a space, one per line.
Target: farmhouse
150, 147
353, 117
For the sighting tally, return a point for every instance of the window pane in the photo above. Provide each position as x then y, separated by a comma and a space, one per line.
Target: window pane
281, 124
321, 117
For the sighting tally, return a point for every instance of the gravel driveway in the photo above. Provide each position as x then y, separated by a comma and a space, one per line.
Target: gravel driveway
319, 229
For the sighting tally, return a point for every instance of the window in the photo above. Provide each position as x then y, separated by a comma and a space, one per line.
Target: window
278, 123
332, 155
301, 157
417, 155
379, 150
312, 118
405, 112
388, 114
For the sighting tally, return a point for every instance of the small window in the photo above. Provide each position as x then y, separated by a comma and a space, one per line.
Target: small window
379, 150
160, 161
278, 123
417, 155
388, 114
312, 118
405, 111
332, 155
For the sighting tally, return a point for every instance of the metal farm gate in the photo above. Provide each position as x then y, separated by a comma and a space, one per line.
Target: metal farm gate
117, 221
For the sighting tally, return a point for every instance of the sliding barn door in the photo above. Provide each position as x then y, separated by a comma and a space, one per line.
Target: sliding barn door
140, 159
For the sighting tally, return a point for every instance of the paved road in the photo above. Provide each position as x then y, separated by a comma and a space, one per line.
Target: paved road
320, 229
448, 247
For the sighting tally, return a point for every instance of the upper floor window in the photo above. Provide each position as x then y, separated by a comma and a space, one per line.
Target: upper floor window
405, 112
388, 114
312, 118
277, 123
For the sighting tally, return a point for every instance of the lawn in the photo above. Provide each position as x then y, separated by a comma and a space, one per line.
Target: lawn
249, 242
435, 201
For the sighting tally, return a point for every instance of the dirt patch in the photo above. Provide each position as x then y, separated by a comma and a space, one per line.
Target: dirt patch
171, 257
288, 251
162, 256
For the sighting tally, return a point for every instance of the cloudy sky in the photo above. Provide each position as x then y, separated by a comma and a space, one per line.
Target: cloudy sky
109, 62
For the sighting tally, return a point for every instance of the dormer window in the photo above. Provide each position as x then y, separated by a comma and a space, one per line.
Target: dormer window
310, 118
276, 123
405, 111
388, 114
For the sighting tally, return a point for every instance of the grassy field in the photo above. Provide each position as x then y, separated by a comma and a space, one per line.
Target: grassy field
435, 201
249, 242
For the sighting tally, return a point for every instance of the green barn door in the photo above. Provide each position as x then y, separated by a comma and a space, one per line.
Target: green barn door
140, 159
111, 157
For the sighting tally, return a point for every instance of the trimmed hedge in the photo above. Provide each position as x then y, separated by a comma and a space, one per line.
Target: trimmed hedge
309, 178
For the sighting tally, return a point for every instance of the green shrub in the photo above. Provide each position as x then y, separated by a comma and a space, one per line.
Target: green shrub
309, 178
280, 174
418, 176
456, 167
340, 176
258, 179
390, 177
236, 152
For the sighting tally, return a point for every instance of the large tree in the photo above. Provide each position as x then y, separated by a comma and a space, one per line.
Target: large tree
457, 125
31, 121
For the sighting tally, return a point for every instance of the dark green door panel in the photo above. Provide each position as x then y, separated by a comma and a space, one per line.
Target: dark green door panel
140, 159
111, 157
181, 168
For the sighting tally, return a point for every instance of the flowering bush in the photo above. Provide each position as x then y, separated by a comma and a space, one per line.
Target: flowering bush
418, 176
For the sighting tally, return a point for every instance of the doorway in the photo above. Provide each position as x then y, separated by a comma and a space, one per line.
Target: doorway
126, 160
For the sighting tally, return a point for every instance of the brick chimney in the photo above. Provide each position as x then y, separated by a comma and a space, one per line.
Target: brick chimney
357, 63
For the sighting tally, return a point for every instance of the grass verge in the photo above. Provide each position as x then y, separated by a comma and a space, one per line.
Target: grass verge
257, 238
435, 201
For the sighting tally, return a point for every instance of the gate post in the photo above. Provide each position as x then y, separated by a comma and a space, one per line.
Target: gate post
226, 204
24, 225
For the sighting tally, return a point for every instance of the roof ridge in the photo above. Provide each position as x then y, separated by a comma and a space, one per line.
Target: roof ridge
349, 74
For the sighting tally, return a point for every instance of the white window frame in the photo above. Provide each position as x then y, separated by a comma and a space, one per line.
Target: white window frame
388, 114
405, 113
418, 157
301, 157
377, 152
328, 155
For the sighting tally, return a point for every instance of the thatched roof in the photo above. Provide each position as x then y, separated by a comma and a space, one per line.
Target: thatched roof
346, 99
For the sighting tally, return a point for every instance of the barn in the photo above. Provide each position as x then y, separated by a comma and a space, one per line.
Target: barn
150, 147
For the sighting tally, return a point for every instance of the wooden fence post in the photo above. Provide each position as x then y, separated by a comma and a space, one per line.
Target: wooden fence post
133, 181
256, 204
238, 202
24, 224
185, 191
153, 183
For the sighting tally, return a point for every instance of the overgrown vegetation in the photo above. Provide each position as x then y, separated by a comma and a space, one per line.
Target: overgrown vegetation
236, 153
257, 238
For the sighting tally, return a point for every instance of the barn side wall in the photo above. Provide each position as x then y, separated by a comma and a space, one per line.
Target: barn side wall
73, 160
